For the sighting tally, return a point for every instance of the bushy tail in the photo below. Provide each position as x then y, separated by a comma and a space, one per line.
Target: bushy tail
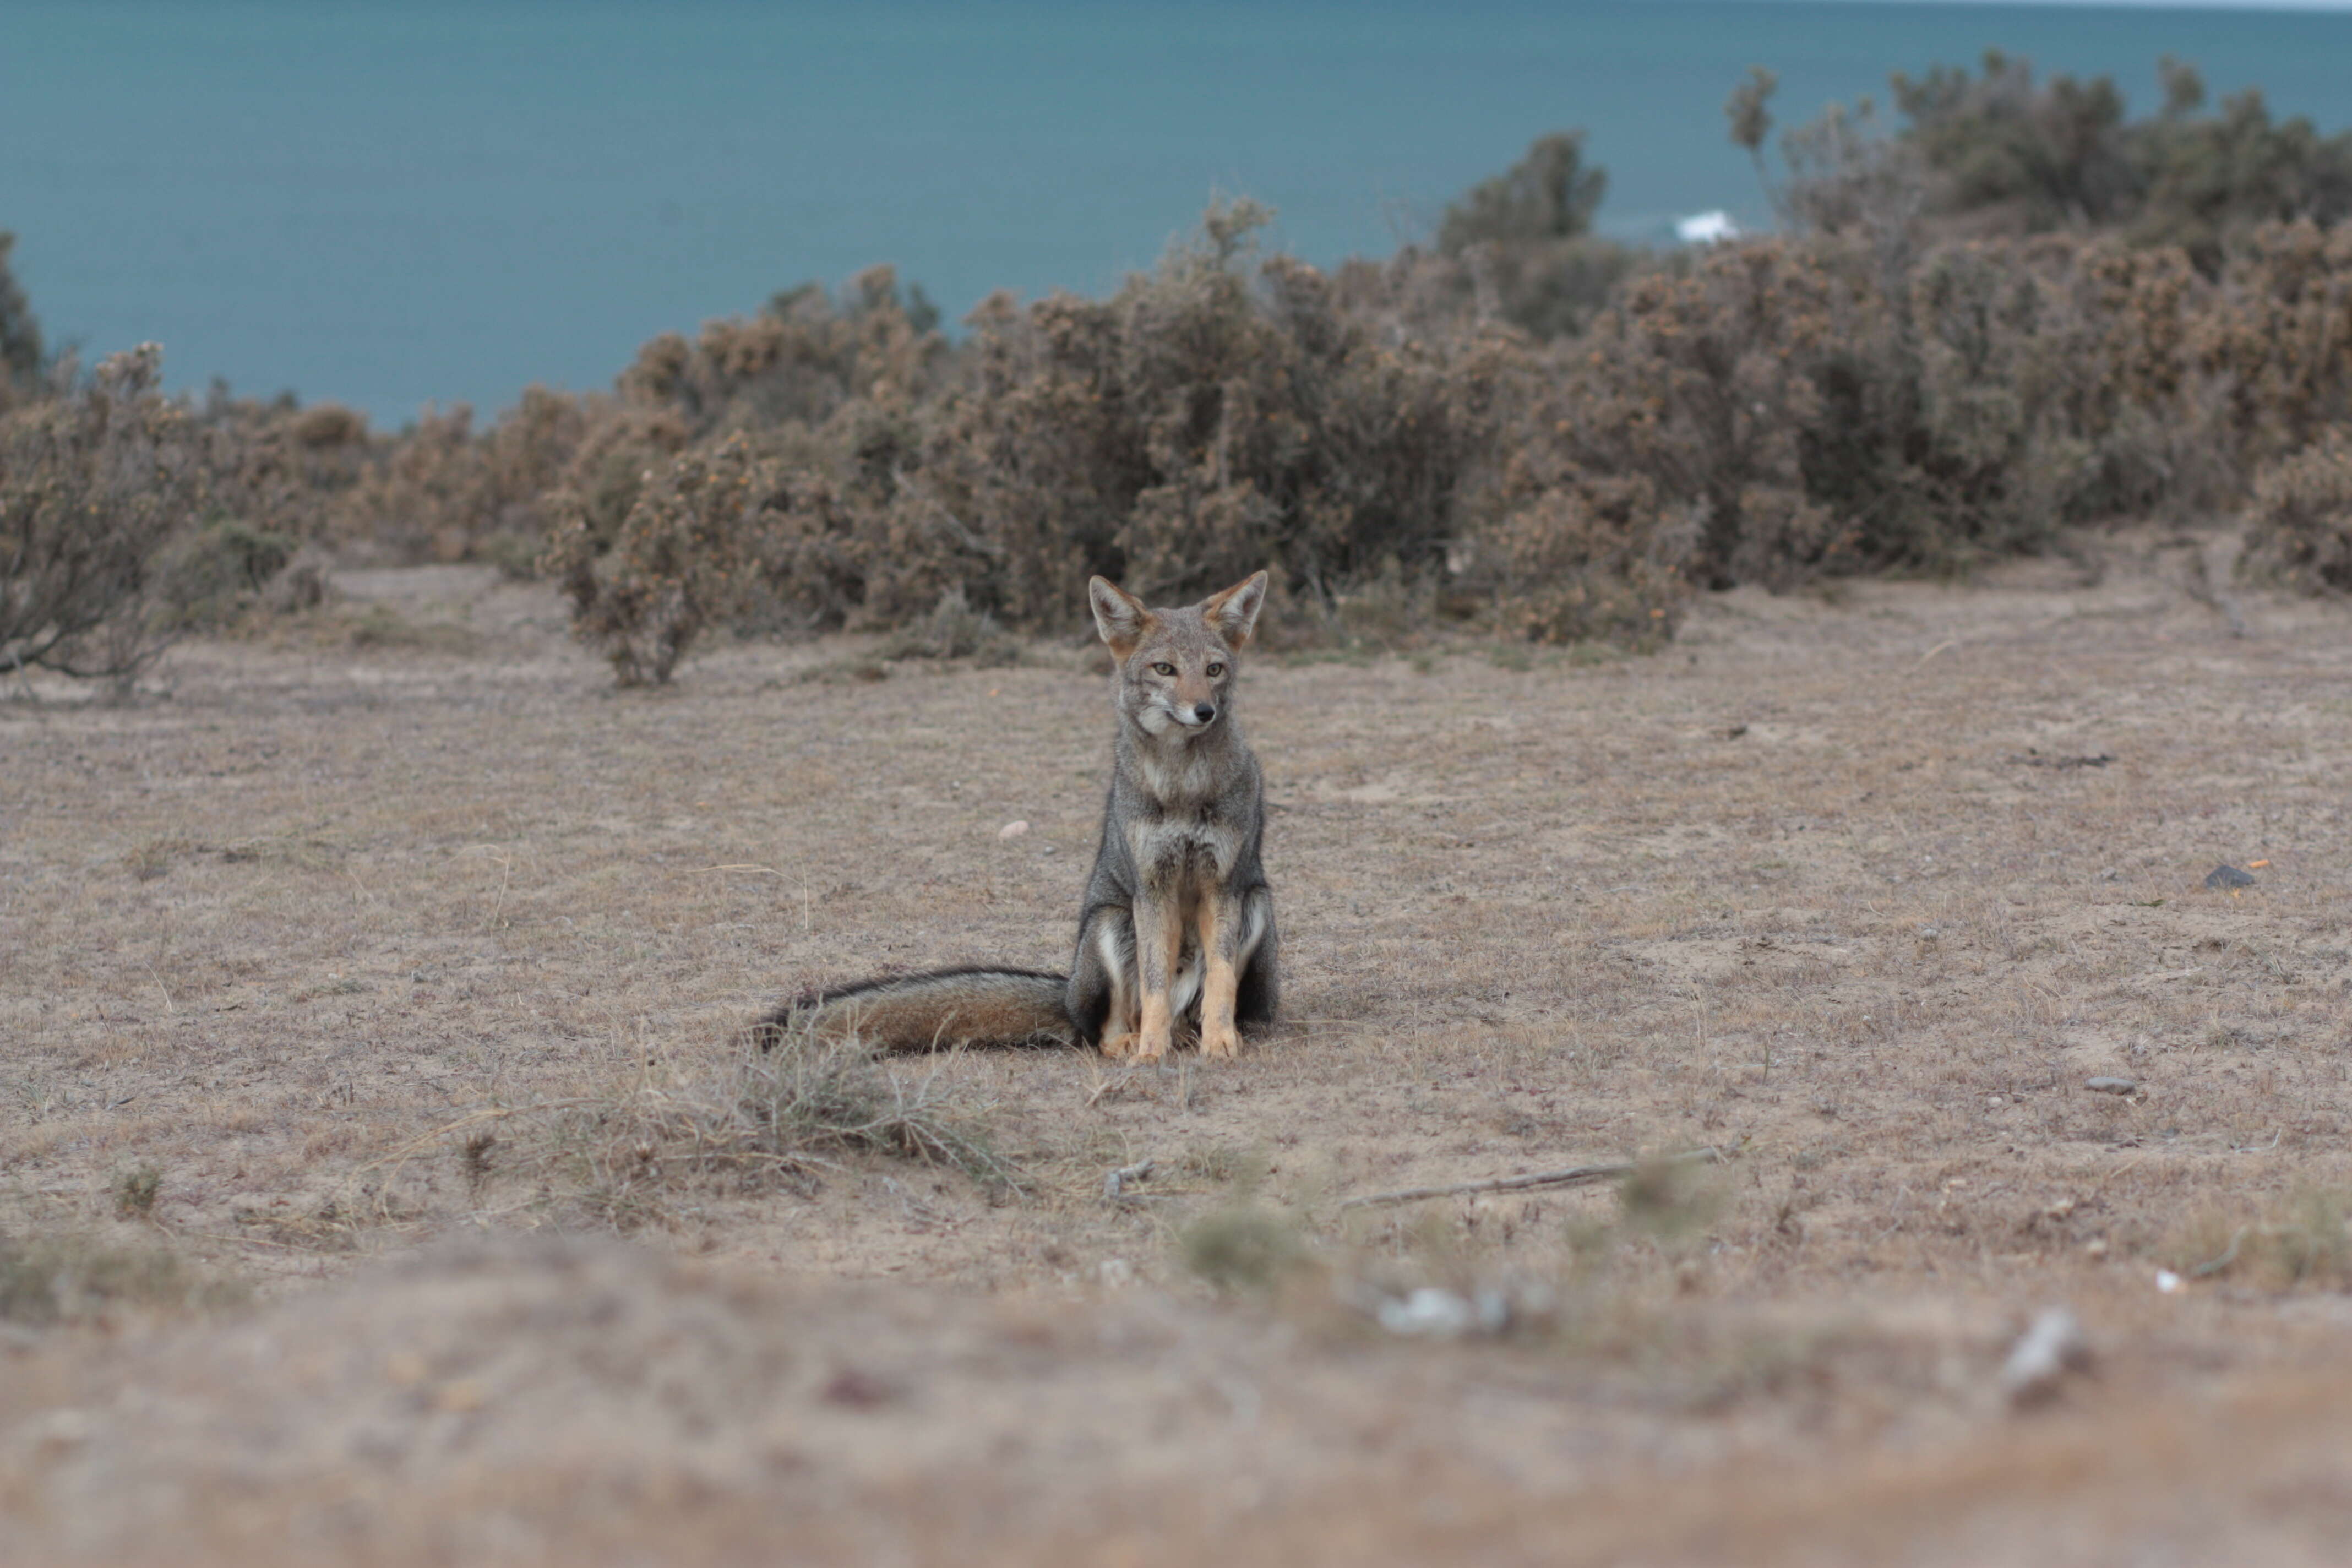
927, 1011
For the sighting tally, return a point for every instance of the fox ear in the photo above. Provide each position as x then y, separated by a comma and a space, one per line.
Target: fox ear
1120, 617
1233, 613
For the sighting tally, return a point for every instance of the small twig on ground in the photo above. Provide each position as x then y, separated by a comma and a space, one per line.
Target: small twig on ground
1574, 1175
1104, 1087
2214, 1265
1115, 1184
158, 979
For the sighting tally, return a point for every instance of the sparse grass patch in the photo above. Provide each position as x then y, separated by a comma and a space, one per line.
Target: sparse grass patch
955, 629
1245, 1248
2301, 1239
135, 1191
777, 1109
72, 1276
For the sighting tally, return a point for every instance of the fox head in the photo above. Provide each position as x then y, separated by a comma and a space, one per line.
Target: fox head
1176, 666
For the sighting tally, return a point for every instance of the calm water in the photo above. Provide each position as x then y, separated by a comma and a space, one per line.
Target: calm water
388, 204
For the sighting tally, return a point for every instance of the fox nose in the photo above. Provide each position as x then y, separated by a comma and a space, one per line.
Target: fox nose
1204, 711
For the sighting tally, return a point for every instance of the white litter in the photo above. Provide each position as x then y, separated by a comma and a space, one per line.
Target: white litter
2053, 1346
1443, 1314
1705, 228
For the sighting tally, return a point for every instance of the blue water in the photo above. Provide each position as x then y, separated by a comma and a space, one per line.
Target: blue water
387, 204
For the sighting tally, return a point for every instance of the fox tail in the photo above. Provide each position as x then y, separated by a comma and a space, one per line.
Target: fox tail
927, 1011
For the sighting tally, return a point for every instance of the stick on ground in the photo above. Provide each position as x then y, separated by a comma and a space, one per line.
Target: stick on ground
1574, 1175
1115, 1184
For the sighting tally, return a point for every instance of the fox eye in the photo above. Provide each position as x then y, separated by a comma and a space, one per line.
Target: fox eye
1163, 669
1215, 670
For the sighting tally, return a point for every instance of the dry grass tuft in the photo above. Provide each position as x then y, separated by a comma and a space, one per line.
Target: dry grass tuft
780, 1108
135, 1191
955, 629
2301, 1239
74, 1276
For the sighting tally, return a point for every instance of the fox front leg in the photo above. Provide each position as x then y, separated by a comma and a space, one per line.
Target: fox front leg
1104, 981
1220, 920
1159, 944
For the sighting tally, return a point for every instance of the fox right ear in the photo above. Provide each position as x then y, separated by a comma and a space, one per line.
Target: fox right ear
1119, 616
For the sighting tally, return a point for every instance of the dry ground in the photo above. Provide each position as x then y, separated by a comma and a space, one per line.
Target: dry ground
354, 938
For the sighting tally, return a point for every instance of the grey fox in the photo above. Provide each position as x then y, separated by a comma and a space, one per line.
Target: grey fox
1177, 922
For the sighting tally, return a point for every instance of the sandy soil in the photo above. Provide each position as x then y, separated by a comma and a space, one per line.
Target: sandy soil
375, 941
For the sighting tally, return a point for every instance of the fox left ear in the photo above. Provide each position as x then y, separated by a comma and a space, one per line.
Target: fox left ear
1233, 613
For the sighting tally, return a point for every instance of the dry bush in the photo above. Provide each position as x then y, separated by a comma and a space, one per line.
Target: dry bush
2300, 526
94, 483
682, 560
2278, 339
1704, 386
1519, 245
955, 630
1589, 558
1517, 430
22, 357
212, 576
781, 1110
440, 491
427, 498
1771, 411
797, 362
2001, 154
284, 469
1816, 411
1208, 420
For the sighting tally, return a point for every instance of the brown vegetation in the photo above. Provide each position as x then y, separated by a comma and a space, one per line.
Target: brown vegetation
2020, 311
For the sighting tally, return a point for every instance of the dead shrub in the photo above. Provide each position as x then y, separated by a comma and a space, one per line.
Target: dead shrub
23, 359
1706, 385
797, 363
2299, 527
1517, 430
429, 497
213, 576
94, 482
779, 1110
1216, 416
1587, 559
284, 469
681, 561
1518, 246
955, 630
443, 492
2278, 337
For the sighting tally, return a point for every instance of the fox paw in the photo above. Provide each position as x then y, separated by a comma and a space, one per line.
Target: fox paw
1151, 1046
1221, 1042
1120, 1047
